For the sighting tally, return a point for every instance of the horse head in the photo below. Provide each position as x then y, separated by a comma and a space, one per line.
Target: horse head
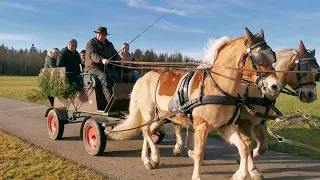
303, 83
252, 53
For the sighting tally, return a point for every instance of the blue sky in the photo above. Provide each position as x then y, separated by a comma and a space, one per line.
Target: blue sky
186, 29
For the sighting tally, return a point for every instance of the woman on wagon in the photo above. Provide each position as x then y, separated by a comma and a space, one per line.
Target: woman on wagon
127, 74
50, 60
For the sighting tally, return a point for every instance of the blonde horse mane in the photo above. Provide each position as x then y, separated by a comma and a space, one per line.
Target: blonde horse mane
283, 57
212, 47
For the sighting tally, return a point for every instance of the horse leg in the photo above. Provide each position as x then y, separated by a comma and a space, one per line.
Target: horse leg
147, 112
231, 134
144, 154
155, 156
261, 139
179, 143
201, 133
245, 130
190, 142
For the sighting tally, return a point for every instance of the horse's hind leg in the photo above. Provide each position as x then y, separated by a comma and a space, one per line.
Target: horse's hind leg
261, 139
144, 154
179, 143
190, 142
231, 134
154, 156
148, 115
201, 133
245, 130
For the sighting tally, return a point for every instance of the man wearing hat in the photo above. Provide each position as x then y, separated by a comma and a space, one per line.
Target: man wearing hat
98, 53
70, 59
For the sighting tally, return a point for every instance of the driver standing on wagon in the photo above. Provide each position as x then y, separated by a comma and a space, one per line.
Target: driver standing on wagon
98, 51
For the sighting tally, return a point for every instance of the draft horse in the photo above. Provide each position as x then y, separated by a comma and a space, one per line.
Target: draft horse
211, 101
252, 127
304, 87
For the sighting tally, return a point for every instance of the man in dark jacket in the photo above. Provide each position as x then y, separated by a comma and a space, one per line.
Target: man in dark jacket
98, 53
70, 59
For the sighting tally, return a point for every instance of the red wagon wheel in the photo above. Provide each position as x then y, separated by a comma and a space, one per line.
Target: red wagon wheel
93, 137
55, 126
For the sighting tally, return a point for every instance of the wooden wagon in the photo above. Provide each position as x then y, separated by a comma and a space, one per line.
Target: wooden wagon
89, 107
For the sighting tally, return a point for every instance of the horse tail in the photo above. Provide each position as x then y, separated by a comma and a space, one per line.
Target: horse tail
127, 129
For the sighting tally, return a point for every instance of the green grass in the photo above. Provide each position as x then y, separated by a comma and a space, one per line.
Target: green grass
21, 160
299, 132
20, 87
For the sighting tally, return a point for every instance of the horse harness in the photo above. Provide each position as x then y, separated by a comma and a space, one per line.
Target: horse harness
181, 100
302, 64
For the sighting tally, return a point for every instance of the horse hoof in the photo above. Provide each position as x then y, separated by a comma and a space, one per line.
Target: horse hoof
196, 178
154, 164
190, 154
257, 177
176, 152
238, 159
148, 165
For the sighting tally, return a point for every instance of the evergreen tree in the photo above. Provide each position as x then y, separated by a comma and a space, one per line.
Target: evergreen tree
28, 62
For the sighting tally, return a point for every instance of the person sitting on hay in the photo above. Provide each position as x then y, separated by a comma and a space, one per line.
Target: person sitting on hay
70, 59
98, 51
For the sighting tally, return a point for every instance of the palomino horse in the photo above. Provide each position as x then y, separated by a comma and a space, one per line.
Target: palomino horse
304, 84
207, 95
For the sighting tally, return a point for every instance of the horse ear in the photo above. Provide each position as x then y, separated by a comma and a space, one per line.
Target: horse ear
250, 37
313, 52
302, 49
261, 33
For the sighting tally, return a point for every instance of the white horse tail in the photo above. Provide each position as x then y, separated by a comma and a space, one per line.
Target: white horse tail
133, 120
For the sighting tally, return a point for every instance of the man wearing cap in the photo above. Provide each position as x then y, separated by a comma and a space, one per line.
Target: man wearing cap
98, 53
70, 59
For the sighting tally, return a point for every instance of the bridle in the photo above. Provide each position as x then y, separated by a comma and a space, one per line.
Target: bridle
257, 60
302, 64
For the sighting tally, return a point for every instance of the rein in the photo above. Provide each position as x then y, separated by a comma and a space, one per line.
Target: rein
191, 66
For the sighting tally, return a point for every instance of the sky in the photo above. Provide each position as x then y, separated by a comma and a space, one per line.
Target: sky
186, 28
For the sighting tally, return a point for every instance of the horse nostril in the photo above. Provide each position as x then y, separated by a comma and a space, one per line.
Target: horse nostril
274, 87
310, 95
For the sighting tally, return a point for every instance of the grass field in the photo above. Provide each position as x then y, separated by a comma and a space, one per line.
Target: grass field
18, 159
21, 160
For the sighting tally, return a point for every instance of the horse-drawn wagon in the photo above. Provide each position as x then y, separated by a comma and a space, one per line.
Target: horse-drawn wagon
87, 105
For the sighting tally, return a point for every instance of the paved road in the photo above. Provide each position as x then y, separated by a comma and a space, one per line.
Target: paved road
121, 159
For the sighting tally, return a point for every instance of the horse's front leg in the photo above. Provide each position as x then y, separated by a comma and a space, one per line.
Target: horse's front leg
231, 134
201, 133
260, 133
245, 130
179, 142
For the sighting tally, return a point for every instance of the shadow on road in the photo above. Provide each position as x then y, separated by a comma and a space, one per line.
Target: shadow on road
74, 138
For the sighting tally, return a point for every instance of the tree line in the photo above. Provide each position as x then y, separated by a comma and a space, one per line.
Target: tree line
28, 62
